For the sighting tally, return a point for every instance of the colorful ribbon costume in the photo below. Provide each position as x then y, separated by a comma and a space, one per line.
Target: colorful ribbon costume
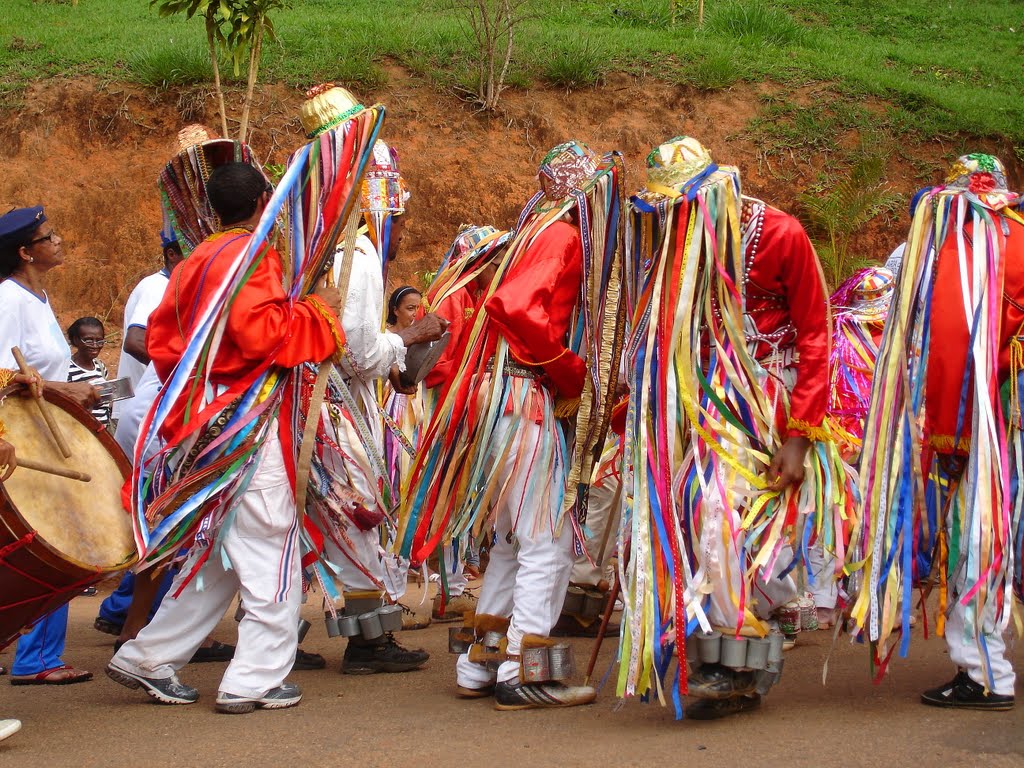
212, 421
727, 352
942, 451
565, 335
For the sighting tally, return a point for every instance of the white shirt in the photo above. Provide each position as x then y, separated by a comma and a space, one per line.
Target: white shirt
140, 305
28, 322
373, 349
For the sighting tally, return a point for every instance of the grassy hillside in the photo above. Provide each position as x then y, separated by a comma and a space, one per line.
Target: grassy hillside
939, 67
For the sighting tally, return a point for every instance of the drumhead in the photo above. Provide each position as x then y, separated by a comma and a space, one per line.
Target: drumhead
85, 522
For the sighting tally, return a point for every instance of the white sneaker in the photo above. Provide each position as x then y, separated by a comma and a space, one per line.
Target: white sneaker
9, 728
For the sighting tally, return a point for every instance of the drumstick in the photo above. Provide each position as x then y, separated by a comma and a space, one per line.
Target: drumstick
35, 466
58, 436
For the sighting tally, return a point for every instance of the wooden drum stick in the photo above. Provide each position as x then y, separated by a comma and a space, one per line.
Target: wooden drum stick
44, 409
36, 466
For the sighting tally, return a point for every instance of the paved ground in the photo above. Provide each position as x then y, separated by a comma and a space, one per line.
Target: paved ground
415, 720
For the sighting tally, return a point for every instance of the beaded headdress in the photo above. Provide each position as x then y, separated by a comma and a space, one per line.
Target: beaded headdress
384, 190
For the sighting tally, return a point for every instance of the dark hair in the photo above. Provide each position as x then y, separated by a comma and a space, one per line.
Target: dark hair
234, 190
396, 296
9, 257
76, 328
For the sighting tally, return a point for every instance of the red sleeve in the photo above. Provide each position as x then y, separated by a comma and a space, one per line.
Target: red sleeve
457, 309
804, 288
533, 306
262, 319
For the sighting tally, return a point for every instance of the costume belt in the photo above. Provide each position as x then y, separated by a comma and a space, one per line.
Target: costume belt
512, 368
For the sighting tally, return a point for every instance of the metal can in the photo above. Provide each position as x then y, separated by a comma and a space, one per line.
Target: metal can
734, 651
593, 603
808, 614
788, 617
536, 665
332, 625
303, 629
709, 645
369, 624
492, 640
391, 618
574, 599
349, 626
757, 652
560, 662
459, 640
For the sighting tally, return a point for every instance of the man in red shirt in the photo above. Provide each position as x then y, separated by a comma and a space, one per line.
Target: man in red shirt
260, 556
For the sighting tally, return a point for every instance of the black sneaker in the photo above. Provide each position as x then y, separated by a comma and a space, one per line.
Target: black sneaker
715, 681
284, 696
963, 693
363, 657
107, 627
308, 661
166, 690
714, 709
508, 696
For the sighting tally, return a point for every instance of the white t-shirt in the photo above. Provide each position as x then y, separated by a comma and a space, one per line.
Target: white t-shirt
140, 305
28, 322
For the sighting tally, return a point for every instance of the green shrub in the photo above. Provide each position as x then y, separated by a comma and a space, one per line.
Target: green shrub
575, 64
184, 63
753, 23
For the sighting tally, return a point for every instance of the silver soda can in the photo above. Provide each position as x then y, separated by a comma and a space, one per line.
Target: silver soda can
303, 629
332, 625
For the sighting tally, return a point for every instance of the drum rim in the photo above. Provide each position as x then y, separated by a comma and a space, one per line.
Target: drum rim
107, 440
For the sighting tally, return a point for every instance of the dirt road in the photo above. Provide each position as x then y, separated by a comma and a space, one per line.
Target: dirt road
415, 720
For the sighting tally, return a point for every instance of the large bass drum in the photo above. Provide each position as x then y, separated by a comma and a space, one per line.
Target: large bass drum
57, 535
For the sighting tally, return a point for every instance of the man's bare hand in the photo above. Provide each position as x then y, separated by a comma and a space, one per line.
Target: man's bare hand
8, 461
86, 395
32, 381
396, 384
787, 466
430, 327
330, 296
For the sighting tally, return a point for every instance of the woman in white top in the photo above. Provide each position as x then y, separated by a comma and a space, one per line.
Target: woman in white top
29, 248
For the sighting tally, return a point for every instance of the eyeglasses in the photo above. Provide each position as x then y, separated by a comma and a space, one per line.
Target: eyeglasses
53, 234
93, 342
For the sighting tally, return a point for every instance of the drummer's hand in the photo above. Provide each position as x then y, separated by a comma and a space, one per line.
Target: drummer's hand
33, 382
84, 394
330, 296
8, 462
430, 327
396, 383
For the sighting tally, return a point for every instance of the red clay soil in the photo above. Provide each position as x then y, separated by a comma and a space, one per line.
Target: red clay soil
91, 151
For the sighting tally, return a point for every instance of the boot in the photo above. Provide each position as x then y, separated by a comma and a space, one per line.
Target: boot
368, 657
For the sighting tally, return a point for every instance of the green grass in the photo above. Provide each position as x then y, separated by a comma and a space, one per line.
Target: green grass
945, 67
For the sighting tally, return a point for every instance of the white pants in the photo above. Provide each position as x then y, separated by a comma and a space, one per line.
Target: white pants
726, 574
600, 516
822, 566
454, 569
527, 577
964, 651
390, 570
262, 549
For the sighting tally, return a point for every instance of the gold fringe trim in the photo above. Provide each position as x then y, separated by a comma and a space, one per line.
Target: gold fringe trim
819, 433
566, 407
947, 444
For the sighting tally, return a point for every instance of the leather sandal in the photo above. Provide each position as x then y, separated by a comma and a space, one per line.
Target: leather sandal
46, 677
